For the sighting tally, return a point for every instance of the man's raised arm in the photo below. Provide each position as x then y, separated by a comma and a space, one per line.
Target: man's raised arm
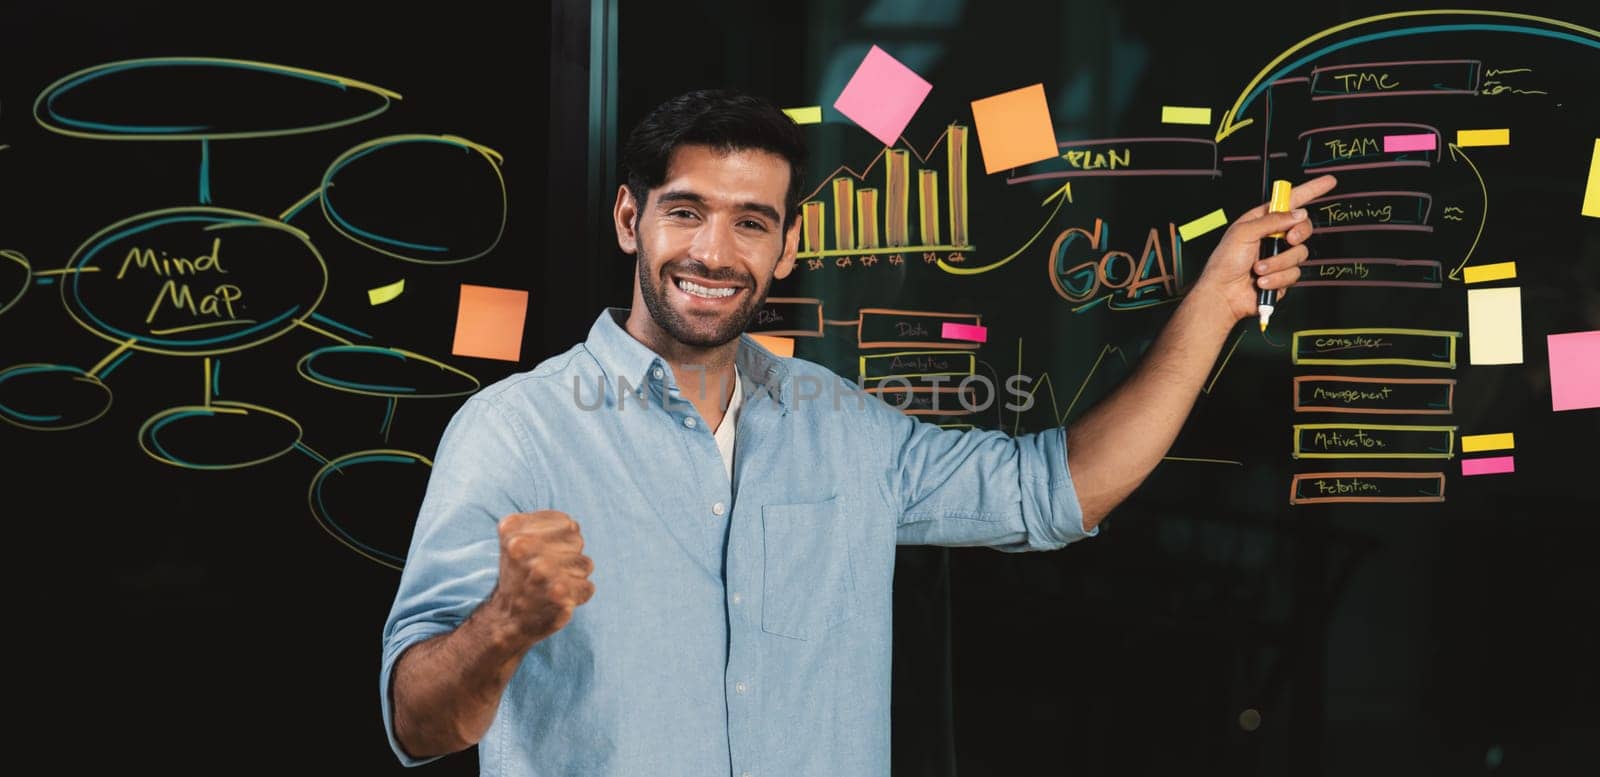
1121, 439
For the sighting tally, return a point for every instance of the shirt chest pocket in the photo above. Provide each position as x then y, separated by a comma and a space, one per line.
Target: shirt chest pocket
810, 583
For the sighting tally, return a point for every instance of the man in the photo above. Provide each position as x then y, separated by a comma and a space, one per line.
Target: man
601, 583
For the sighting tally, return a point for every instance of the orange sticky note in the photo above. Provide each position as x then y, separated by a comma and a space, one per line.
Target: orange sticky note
781, 346
1014, 128
489, 322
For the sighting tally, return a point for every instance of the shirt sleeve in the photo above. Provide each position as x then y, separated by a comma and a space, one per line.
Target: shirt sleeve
981, 487
480, 474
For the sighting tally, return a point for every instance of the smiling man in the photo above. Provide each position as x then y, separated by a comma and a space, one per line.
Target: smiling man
690, 572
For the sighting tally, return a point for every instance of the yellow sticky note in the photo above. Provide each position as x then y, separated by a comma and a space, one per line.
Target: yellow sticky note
1204, 224
1014, 128
1177, 114
1499, 271
810, 114
1591, 192
1483, 137
489, 322
383, 294
782, 346
1473, 443
1494, 325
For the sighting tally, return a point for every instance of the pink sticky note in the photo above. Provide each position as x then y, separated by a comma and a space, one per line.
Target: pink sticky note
1491, 465
1574, 370
489, 322
1426, 141
973, 332
882, 96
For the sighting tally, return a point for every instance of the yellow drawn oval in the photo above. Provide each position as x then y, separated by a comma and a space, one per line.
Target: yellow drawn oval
55, 383
227, 422
378, 371
342, 464
14, 271
202, 98
415, 247
119, 286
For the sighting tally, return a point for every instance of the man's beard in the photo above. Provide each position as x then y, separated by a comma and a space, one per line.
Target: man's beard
682, 328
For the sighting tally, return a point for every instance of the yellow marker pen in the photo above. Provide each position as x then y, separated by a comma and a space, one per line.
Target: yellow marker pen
1272, 246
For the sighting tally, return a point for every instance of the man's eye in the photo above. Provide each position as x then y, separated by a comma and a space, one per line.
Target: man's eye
753, 224
681, 213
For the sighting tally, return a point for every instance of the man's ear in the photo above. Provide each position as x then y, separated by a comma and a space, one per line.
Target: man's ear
626, 214
791, 246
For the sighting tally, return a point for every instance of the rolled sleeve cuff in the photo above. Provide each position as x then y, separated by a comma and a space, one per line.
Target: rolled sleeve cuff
1050, 508
396, 644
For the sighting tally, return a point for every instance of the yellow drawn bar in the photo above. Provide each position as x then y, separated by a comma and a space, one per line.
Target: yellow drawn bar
1483, 137
1178, 114
1591, 192
810, 114
1473, 443
386, 293
1489, 272
1204, 224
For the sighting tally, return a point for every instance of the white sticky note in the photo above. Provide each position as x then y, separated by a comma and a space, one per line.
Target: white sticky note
1494, 325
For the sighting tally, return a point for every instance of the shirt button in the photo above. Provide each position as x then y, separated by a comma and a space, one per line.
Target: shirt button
745, 774
737, 598
718, 509
738, 687
657, 372
688, 422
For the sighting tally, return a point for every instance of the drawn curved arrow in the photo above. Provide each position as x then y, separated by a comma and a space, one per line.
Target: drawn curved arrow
1230, 123
1065, 195
1455, 153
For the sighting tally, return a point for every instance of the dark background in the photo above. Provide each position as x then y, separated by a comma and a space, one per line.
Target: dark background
195, 620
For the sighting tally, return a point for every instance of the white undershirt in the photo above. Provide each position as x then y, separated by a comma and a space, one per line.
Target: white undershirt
730, 422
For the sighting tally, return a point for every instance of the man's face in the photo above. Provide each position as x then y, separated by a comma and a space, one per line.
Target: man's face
709, 242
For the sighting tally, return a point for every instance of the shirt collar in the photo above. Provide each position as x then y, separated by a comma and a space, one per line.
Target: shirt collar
622, 356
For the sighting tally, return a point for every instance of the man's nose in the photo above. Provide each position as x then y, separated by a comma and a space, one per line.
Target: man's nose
713, 243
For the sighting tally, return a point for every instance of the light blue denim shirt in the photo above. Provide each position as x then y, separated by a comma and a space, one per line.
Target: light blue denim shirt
736, 628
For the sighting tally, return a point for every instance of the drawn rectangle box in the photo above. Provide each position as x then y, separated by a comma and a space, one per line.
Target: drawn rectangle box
1373, 441
876, 368
1396, 79
1129, 156
1376, 210
1402, 273
923, 398
1360, 147
1375, 346
1382, 396
789, 317
890, 328
1318, 487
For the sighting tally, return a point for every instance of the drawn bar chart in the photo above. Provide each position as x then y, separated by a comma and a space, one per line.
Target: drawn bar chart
870, 220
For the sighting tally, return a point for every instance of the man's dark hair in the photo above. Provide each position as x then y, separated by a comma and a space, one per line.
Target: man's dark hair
723, 119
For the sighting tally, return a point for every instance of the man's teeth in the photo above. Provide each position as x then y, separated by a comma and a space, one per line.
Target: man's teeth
702, 291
